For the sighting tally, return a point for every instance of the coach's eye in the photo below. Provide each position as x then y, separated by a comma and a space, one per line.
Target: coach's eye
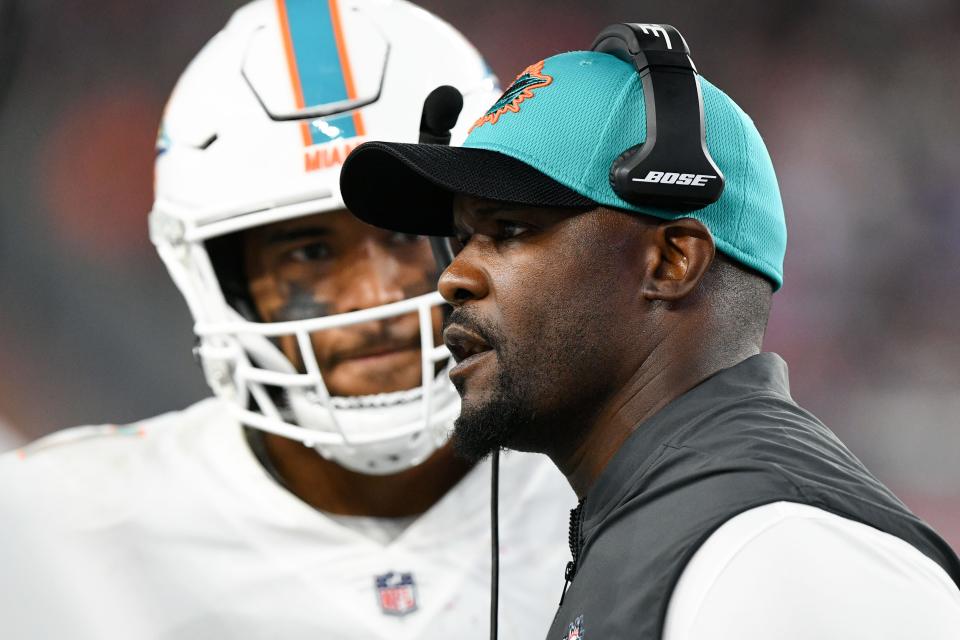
509, 229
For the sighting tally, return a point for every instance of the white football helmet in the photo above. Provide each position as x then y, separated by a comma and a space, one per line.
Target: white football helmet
255, 132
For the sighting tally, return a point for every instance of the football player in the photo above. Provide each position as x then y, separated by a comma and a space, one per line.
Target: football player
315, 494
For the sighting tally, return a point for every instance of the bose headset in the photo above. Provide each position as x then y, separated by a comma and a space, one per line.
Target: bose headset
672, 169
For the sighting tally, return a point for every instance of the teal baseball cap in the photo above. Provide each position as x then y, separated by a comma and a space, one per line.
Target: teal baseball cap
550, 141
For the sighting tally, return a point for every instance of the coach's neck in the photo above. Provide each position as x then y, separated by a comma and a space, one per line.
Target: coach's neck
669, 371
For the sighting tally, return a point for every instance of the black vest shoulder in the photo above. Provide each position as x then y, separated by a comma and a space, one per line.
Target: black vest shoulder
734, 442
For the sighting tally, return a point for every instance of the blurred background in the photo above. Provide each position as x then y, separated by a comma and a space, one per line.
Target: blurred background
857, 102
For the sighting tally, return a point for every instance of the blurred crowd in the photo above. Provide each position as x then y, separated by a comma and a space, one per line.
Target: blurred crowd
857, 102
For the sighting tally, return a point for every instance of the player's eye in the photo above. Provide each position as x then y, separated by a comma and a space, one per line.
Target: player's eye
310, 252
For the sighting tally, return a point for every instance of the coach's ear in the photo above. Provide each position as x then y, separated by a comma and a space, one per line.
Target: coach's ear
678, 254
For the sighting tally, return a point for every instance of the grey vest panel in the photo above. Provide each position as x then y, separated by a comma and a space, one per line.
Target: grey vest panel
735, 442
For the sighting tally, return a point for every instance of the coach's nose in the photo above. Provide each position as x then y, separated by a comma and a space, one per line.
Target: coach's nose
465, 279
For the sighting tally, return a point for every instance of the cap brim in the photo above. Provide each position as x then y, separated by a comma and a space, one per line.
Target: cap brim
410, 187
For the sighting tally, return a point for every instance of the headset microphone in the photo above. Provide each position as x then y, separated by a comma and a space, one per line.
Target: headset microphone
440, 112
672, 169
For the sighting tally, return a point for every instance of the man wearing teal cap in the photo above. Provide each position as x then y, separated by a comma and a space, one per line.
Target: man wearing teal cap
616, 326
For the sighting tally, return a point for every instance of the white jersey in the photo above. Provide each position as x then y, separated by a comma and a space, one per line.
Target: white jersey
795, 572
9, 438
170, 528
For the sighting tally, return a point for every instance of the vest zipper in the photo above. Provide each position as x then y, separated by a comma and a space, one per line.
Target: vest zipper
575, 539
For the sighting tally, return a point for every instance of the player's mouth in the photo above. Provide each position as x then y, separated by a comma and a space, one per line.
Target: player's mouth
376, 353
467, 348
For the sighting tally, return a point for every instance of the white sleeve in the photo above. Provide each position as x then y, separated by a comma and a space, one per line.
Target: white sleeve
794, 572
9, 437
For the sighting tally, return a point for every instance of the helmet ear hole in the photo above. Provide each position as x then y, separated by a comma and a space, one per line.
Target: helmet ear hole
227, 257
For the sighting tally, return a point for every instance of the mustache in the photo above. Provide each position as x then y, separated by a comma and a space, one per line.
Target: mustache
469, 320
374, 338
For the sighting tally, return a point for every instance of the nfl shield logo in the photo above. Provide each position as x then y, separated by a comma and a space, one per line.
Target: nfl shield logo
397, 593
575, 630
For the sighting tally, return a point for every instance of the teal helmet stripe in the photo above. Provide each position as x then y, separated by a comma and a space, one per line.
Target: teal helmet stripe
314, 40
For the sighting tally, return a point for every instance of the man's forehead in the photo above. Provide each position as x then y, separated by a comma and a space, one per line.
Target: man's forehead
464, 204
336, 221
466, 208
311, 219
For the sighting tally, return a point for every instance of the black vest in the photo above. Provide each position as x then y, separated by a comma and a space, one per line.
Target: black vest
734, 442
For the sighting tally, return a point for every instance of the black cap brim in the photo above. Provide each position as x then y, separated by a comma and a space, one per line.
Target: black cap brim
410, 187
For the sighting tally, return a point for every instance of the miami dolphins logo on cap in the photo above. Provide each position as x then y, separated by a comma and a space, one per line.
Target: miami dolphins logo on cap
523, 87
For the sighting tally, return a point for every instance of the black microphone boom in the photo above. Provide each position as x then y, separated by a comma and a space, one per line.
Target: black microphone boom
440, 112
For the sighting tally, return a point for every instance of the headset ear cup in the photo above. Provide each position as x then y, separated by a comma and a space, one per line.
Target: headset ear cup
628, 157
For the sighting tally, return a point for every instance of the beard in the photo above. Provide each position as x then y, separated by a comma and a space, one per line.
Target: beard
482, 429
513, 414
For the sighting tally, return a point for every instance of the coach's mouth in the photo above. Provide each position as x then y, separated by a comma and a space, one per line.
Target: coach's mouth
463, 343
466, 347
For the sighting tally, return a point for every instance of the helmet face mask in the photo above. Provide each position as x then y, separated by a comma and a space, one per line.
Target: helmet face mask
235, 159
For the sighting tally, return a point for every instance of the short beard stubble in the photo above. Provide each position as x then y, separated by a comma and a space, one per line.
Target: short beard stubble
510, 417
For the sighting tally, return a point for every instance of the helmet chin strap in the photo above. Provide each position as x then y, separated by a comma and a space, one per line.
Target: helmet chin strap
356, 417
373, 434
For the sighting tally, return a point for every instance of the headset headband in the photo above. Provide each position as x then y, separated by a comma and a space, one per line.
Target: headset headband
672, 169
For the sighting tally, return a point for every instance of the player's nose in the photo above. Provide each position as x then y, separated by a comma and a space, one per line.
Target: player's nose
464, 280
374, 279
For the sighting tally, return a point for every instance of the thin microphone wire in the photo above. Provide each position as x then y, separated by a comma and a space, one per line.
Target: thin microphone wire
440, 112
494, 542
